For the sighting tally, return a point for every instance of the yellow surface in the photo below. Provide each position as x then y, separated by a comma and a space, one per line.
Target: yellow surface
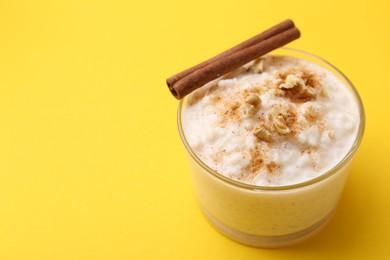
91, 164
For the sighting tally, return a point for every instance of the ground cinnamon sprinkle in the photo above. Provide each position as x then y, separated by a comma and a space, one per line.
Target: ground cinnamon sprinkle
292, 122
216, 99
272, 167
233, 111
230, 112
310, 79
257, 160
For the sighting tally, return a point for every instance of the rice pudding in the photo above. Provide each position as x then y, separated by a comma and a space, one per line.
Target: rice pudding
277, 121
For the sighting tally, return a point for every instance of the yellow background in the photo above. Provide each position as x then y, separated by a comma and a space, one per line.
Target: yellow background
91, 163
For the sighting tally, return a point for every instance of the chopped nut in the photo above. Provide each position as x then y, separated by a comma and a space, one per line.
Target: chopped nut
262, 133
253, 100
291, 81
279, 116
283, 112
252, 105
258, 65
250, 111
298, 87
280, 125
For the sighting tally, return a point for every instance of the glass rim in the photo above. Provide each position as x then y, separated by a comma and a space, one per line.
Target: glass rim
317, 179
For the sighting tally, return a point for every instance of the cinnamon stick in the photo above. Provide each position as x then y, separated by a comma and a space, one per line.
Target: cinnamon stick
285, 25
187, 81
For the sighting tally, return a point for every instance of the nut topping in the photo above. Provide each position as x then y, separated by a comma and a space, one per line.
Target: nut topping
280, 125
298, 87
253, 100
252, 105
258, 65
262, 133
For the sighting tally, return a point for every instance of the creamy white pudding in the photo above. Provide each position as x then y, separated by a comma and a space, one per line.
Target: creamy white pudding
277, 121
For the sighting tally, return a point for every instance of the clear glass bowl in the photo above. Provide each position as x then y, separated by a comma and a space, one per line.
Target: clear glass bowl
264, 216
